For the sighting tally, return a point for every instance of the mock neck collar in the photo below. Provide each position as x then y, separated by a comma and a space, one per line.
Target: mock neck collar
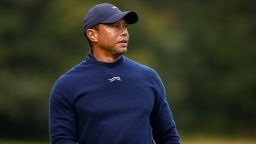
91, 58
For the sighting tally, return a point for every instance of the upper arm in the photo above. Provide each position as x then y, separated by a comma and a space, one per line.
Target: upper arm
62, 116
162, 122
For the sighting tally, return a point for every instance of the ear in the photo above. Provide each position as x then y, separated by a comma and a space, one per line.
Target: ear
92, 35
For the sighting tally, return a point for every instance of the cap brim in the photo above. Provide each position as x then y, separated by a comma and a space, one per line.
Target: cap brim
130, 17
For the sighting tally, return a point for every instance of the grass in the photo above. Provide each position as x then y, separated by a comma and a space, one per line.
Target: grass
218, 141
21, 142
200, 139
193, 140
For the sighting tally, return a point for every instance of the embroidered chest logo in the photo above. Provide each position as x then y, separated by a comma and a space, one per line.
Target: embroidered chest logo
115, 78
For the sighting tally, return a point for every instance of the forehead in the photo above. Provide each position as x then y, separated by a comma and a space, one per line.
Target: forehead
109, 25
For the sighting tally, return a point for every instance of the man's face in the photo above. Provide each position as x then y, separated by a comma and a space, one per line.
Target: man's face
113, 38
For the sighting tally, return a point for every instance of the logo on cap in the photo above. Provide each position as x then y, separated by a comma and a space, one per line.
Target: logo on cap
114, 7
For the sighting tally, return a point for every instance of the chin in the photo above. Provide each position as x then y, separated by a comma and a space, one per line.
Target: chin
121, 51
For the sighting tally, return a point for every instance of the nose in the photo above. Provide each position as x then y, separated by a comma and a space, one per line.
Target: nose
124, 31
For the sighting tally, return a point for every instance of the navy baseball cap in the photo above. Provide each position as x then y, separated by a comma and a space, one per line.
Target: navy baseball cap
107, 13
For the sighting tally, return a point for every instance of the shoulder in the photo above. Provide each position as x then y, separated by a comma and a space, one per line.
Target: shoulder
65, 84
137, 65
144, 69
67, 79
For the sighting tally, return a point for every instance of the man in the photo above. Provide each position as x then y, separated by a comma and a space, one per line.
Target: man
108, 98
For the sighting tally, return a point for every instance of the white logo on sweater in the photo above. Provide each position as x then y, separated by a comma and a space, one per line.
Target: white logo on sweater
114, 78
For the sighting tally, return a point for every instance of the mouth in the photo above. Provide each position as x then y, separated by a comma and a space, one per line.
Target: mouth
123, 41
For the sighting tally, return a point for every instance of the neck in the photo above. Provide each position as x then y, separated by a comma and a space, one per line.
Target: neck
106, 57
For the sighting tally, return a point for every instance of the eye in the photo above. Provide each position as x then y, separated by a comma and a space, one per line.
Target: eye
118, 25
125, 25
115, 25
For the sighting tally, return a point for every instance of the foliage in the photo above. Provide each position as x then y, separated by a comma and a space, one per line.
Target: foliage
203, 50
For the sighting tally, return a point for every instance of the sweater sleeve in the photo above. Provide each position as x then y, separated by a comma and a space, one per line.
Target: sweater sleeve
62, 118
163, 125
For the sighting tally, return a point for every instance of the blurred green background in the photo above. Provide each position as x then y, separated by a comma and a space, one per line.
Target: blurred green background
204, 51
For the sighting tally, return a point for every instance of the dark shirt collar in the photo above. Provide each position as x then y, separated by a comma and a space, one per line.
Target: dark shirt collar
91, 58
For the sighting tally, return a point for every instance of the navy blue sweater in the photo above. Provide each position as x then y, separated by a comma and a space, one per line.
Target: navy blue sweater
110, 103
